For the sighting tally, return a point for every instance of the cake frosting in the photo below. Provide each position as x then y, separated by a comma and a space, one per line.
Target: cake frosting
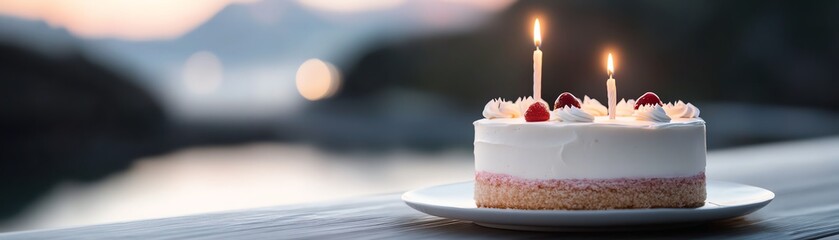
595, 150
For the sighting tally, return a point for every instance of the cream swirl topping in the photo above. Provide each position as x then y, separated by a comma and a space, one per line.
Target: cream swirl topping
652, 113
524, 103
625, 108
594, 107
573, 114
681, 110
498, 108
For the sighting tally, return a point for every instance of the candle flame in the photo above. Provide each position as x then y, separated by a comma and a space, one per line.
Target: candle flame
610, 65
537, 34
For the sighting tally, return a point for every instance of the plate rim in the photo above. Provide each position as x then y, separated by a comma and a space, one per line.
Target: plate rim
718, 212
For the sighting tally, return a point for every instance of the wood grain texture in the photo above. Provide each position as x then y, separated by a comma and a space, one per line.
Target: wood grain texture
802, 174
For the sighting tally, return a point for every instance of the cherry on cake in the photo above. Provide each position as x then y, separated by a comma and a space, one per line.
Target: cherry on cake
577, 158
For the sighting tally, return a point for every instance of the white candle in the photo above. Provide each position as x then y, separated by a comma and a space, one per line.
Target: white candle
611, 90
537, 63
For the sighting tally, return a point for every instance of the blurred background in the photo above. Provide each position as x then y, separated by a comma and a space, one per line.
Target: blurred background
121, 110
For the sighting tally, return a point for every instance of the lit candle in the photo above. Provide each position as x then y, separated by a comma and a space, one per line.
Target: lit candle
610, 88
537, 63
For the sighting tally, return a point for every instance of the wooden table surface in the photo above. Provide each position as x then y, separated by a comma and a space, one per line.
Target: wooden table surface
804, 176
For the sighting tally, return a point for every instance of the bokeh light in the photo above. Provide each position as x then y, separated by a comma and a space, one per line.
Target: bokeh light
317, 79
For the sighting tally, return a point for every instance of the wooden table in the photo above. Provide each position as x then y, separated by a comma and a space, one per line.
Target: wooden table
804, 176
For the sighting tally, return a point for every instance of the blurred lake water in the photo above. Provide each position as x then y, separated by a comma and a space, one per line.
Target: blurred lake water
221, 178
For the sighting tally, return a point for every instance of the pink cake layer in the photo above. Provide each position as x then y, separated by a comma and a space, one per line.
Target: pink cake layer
493, 190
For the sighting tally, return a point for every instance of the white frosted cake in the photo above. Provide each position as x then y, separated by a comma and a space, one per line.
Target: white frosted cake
576, 158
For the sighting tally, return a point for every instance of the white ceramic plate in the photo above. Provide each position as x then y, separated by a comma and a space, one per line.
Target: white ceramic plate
455, 201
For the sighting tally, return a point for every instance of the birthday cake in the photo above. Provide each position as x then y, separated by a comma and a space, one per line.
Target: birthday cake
576, 157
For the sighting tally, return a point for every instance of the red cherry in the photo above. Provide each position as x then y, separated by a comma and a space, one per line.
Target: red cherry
648, 98
566, 99
537, 112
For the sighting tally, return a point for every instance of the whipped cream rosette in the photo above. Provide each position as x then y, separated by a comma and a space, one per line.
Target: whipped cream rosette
625, 108
499, 108
652, 113
525, 102
573, 114
681, 110
594, 107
